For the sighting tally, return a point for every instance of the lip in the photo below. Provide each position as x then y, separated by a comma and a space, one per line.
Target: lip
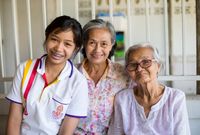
96, 55
140, 74
56, 56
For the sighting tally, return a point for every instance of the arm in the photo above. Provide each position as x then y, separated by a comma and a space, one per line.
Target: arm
14, 119
116, 125
68, 125
181, 123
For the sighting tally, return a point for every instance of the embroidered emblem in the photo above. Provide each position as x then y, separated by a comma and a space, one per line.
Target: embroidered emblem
58, 112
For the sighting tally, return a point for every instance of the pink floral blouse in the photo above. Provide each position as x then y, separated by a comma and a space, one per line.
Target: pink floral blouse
101, 98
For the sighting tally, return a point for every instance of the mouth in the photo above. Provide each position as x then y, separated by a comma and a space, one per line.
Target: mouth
56, 55
141, 75
96, 56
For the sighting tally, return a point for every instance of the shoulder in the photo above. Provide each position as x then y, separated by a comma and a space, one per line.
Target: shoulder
175, 96
77, 74
28, 62
124, 95
117, 66
174, 92
118, 70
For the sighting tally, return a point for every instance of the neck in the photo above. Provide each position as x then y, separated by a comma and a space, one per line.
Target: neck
53, 67
149, 91
95, 68
95, 71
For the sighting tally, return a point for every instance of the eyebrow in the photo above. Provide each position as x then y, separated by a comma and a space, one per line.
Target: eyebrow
97, 40
142, 58
54, 35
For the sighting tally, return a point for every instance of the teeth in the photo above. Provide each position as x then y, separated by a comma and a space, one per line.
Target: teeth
57, 55
97, 55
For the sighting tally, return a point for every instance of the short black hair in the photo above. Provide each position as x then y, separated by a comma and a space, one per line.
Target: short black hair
63, 23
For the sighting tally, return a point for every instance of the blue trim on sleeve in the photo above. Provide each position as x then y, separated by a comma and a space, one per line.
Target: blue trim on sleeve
75, 116
71, 64
12, 100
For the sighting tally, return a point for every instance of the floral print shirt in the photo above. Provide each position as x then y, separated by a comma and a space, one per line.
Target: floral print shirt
101, 98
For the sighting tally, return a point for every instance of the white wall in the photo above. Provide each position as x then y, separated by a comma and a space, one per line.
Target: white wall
183, 34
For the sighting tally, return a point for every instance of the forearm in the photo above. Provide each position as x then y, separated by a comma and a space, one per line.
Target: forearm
68, 126
13, 128
14, 119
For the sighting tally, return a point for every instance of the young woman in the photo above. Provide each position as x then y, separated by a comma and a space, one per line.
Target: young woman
49, 95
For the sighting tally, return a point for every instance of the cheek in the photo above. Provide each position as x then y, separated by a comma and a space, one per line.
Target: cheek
48, 45
88, 50
107, 51
132, 75
69, 51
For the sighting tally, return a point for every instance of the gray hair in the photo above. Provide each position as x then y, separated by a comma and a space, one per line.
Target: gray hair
143, 45
98, 23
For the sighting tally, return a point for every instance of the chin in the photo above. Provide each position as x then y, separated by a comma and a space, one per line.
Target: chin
94, 60
143, 81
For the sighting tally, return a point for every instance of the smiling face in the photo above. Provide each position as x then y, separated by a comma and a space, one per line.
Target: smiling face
60, 47
98, 46
143, 75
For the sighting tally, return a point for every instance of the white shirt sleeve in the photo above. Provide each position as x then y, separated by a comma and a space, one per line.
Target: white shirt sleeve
181, 122
79, 103
116, 125
15, 93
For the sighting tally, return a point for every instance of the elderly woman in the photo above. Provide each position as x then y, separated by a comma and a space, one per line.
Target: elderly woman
150, 108
104, 77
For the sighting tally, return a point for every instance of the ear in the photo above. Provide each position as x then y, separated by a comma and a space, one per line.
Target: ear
159, 67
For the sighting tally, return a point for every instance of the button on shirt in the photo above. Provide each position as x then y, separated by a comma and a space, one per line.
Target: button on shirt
167, 117
101, 99
47, 106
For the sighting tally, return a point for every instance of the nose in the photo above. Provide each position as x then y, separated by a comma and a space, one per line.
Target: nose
139, 68
59, 46
97, 47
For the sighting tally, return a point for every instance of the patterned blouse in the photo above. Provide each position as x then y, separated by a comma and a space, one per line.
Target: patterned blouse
101, 98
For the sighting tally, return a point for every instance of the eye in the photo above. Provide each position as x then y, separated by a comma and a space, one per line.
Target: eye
54, 39
104, 44
91, 42
146, 62
67, 44
133, 64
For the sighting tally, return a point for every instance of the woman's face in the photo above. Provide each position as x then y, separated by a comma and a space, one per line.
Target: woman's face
144, 57
98, 46
60, 47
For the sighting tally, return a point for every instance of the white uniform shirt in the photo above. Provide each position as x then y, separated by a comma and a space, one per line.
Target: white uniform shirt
47, 106
167, 117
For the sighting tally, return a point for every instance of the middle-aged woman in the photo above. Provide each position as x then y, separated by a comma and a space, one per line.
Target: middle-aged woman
104, 77
49, 95
150, 108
